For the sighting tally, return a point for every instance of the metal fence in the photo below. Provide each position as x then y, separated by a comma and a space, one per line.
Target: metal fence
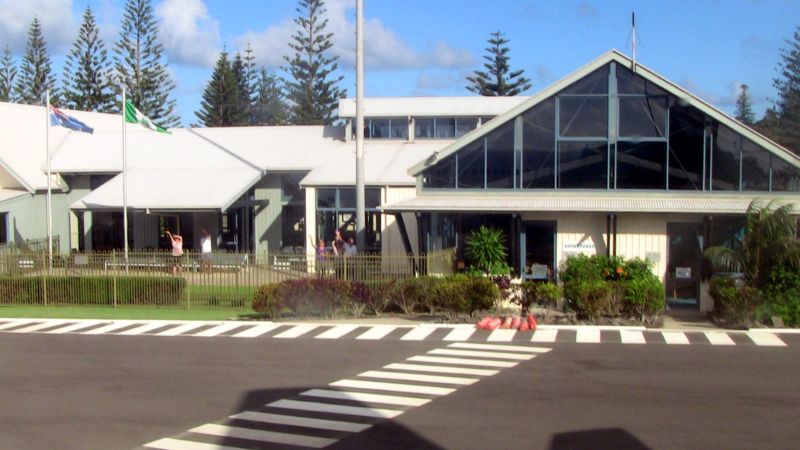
156, 278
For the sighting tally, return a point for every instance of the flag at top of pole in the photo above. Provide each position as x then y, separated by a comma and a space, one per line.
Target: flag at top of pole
60, 119
133, 115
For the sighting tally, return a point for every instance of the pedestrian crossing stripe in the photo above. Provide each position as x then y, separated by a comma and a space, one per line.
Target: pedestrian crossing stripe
404, 386
441, 332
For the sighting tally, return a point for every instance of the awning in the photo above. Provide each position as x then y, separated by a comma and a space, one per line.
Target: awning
533, 202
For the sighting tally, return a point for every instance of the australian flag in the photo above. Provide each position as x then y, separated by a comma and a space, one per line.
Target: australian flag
59, 118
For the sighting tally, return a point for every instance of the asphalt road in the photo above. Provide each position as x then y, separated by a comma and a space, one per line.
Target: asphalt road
120, 392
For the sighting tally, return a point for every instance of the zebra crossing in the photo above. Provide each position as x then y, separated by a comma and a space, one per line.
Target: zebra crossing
322, 416
374, 332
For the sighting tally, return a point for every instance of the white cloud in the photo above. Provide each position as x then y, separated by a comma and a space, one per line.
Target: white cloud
189, 34
55, 16
383, 48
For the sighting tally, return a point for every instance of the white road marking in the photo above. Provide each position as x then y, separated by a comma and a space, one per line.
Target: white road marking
465, 361
217, 330
631, 337
336, 332
263, 436
177, 444
588, 336
418, 333
13, 324
180, 329
501, 335
508, 348
377, 332
367, 398
361, 411
442, 369
144, 328
297, 421
460, 334
76, 326
480, 354
675, 337
393, 387
39, 326
768, 339
116, 325
404, 376
719, 338
256, 331
296, 331
548, 335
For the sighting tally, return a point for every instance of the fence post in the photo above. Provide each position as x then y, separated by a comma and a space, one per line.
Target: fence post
114, 277
44, 277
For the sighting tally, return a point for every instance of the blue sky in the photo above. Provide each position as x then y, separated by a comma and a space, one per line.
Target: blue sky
427, 48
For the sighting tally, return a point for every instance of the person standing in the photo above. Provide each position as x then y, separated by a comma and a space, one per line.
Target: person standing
205, 251
350, 251
177, 251
337, 246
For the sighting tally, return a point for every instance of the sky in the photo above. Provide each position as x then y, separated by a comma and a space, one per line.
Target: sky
429, 47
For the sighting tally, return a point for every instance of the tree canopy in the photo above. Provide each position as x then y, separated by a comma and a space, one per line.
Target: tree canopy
787, 83
36, 73
313, 90
498, 79
87, 71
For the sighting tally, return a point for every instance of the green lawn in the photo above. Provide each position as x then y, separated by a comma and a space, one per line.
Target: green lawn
90, 312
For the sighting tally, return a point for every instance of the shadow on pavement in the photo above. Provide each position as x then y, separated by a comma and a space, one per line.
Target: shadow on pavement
605, 438
383, 433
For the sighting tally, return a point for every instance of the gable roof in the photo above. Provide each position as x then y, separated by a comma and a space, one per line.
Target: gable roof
685, 96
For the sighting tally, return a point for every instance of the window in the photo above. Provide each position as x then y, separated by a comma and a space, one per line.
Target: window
725, 167
336, 210
290, 185
641, 165
755, 167
4, 228
500, 157
443, 127
442, 175
583, 116
538, 146
642, 116
393, 128
472, 166
686, 136
583, 165
785, 177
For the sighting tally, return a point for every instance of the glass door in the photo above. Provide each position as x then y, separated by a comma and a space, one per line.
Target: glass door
538, 250
684, 263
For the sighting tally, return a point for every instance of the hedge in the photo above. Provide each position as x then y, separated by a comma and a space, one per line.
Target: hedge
85, 290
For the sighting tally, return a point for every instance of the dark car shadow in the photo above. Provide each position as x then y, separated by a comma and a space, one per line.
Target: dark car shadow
604, 438
382, 433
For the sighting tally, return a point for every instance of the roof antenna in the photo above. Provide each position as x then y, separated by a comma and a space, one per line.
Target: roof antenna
633, 40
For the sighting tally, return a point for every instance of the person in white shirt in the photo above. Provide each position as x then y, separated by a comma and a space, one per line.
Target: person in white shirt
205, 251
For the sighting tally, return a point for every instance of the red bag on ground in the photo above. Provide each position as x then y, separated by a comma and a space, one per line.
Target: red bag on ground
516, 322
506, 323
494, 324
484, 322
532, 322
523, 326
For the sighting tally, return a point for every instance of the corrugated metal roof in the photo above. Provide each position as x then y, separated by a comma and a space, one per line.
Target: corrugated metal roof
533, 202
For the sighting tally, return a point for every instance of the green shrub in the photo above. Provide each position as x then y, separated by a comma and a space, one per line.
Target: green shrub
87, 290
590, 299
538, 293
734, 306
644, 296
309, 297
782, 296
481, 294
486, 250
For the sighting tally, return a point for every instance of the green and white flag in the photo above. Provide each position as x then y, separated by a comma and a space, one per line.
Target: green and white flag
133, 115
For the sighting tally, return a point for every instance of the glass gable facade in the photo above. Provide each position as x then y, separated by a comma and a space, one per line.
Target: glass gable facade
614, 130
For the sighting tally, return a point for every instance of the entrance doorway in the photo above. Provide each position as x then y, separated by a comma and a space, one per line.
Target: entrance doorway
684, 263
538, 250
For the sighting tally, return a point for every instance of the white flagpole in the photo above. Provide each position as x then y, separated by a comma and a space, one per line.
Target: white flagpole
49, 188
361, 235
124, 178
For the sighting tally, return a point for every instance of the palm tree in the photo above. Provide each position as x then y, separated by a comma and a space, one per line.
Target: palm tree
769, 240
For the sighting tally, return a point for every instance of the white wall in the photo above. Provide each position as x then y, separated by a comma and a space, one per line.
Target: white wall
391, 239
